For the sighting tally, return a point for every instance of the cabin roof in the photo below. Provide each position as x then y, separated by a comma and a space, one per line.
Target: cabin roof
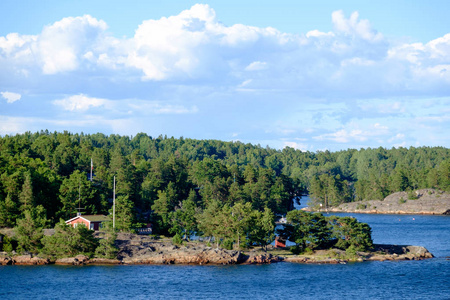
95, 218
91, 218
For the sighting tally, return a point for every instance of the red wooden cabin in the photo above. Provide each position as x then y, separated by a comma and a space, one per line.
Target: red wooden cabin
93, 222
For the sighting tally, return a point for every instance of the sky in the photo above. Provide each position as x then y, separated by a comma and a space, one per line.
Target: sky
311, 75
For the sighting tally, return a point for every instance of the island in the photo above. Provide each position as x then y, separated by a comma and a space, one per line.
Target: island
230, 194
423, 201
150, 250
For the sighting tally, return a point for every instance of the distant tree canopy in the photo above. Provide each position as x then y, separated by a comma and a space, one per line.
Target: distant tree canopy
182, 185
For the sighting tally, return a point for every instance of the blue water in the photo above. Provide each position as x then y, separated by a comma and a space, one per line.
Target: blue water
426, 279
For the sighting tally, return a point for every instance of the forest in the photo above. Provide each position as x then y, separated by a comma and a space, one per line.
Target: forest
185, 186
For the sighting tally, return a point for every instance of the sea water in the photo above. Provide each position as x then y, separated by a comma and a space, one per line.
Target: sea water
426, 279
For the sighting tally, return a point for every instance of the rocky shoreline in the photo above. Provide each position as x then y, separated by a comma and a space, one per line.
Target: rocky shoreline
135, 249
426, 202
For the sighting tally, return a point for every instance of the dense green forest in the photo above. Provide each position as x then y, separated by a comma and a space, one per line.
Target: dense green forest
167, 180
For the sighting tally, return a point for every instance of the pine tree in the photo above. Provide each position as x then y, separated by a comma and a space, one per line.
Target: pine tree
125, 215
29, 230
8, 212
106, 247
26, 195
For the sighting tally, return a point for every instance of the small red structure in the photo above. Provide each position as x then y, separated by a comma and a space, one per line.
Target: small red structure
93, 222
280, 242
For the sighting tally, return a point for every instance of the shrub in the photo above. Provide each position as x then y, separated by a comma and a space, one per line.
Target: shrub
361, 206
227, 244
401, 200
412, 195
106, 248
8, 244
177, 240
351, 251
308, 251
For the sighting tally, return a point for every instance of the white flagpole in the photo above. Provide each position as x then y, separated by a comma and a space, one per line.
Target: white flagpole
92, 167
114, 203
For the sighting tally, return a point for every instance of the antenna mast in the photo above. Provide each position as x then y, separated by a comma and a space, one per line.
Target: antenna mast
79, 200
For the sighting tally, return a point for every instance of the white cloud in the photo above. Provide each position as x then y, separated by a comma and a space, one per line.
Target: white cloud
440, 48
13, 125
256, 66
13, 43
353, 132
396, 138
80, 103
343, 136
61, 44
355, 27
83, 103
153, 107
193, 44
318, 34
297, 146
11, 97
352, 61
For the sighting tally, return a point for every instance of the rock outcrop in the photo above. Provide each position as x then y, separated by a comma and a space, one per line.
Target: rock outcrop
76, 261
26, 259
81, 260
379, 253
135, 249
398, 252
426, 201
266, 258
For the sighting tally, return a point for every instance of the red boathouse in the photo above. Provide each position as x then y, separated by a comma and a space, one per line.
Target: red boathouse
280, 242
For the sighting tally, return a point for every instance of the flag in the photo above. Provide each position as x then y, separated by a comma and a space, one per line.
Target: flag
92, 164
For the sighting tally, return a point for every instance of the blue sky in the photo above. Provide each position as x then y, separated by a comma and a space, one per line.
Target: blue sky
329, 75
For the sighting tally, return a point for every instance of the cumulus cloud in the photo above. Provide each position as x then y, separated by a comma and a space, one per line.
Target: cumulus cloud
63, 43
194, 44
13, 44
353, 60
11, 97
354, 26
80, 103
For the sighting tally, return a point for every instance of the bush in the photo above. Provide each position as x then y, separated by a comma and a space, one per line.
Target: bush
412, 195
8, 244
227, 244
177, 240
106, 248
401, 200
351, 251
361, 206
308, 251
